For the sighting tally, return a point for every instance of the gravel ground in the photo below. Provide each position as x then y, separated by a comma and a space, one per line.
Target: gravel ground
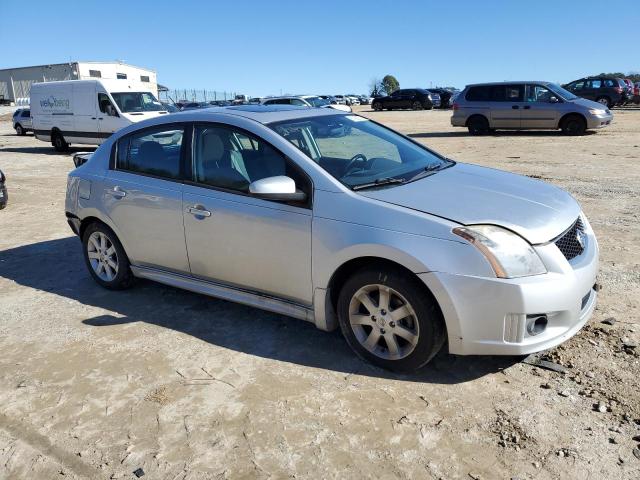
99, 384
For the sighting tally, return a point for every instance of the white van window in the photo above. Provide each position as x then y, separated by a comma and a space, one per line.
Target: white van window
105, 105
137, 102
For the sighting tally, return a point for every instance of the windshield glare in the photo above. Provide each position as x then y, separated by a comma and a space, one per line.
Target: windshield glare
558, 90
137, 102
317, 101
357, 151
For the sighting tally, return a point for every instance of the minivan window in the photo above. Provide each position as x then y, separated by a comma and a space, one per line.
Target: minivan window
563, 93
478, 94
153, 152
137, 102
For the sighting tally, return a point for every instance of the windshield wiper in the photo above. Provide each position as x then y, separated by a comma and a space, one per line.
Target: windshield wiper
378, 183
431, 169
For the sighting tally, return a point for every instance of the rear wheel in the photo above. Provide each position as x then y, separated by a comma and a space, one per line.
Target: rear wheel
388, 320
105, 258
416, 105
606, 101
574, 125
478, 125
58, 142
20, 130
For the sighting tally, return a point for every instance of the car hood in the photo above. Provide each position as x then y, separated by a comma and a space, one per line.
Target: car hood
583, 102
470, 194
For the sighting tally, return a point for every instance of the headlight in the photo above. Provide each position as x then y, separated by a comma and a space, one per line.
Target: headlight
509, 254
597, 111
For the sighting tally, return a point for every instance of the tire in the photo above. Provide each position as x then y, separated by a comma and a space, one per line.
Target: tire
58, 142
416, 105
377, 107
606, 101
20, 130
422, 322
573, 125
478, 125
107, 262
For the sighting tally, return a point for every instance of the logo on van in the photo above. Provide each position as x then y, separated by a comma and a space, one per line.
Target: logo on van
53, 102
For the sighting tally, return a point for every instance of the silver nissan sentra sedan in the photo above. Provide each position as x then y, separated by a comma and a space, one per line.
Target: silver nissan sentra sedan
335, 219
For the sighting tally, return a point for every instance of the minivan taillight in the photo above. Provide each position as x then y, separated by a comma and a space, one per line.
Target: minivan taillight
455, 106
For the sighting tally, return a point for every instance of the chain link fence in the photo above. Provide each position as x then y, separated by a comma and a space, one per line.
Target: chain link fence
194, 95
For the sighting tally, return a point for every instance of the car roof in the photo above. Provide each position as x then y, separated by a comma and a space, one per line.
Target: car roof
515, 82
262, 113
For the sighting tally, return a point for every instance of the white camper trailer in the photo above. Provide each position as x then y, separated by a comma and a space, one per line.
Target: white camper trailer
88, 111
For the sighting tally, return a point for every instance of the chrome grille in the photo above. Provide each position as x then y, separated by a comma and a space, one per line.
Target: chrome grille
573, 242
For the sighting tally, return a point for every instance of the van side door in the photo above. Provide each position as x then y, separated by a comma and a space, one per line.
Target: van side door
85, 118
505, 103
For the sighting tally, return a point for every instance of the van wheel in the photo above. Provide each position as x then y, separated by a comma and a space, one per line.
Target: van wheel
478, 125
606, 101
105, 258
19, 130
574, 125
387, 319
57, 140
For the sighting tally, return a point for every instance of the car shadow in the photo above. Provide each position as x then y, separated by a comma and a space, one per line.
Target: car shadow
47, 150
500, 133
57, 266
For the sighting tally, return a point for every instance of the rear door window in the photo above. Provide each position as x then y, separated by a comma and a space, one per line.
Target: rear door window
478, 94
156, 152
507, 93
595, 83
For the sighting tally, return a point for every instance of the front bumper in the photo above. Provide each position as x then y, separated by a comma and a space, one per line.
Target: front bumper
599, 121
488, 316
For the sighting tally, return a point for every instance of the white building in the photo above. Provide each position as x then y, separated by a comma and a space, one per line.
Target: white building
15, 83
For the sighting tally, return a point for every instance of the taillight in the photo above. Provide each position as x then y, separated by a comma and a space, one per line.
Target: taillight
456, 106
618, 89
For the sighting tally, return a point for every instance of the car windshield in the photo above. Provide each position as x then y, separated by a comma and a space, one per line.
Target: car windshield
558, 90
317, 101
137, 102
358, 152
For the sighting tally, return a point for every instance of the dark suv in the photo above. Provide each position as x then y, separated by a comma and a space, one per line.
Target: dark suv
414, 98
608, 91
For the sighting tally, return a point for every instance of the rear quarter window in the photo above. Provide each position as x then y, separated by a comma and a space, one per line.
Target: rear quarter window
478, 94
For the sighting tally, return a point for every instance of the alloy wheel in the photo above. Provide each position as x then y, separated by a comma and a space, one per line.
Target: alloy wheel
384, 322
102, 256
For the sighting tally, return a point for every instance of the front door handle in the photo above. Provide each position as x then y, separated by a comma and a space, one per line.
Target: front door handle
527, 107
117, 192
515, 107
199, 211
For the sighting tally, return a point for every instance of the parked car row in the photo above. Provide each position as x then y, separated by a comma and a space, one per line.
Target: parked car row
609, 91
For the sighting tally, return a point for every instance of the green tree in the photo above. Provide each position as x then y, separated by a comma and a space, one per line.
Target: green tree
390, 84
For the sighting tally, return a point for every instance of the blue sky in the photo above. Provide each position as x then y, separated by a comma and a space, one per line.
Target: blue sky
268, 47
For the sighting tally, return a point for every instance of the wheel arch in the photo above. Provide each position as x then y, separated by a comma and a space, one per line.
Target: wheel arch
476, 115
571, 114
94, 217
344, 272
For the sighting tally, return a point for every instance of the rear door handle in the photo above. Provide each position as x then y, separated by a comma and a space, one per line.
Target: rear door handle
515, 107
199, 211
527, 107
117, 192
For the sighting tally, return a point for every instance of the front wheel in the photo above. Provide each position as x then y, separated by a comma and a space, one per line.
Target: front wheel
388, 319
574, 125
20, 130
105, 258
416, 105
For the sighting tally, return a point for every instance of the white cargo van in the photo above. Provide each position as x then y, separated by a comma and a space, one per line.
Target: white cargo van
88, 111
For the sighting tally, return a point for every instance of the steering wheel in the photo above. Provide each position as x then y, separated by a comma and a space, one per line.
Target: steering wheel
357, 157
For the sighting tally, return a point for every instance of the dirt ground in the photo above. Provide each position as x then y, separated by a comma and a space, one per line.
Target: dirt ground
99, 384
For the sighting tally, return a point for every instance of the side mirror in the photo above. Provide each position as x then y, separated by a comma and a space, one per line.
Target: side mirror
277, 188
553, 100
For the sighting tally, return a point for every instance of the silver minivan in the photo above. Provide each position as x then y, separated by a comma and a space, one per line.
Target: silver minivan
486, 107
335, 219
